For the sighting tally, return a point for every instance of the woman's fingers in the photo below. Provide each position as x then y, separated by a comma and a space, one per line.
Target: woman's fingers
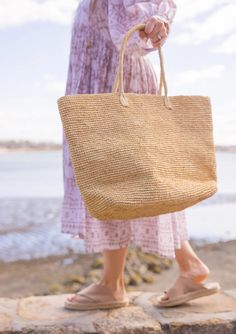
142, 34
150, 25
159, 43
159, 29
156, 30
153, 25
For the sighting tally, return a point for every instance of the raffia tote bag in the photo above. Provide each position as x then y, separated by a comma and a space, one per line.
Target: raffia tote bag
139, 155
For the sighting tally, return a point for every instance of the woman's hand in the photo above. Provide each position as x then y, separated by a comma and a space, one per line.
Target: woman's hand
156, 30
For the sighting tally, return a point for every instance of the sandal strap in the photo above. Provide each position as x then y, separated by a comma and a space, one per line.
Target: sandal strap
183, 285
86, 296
191, 282
97, 293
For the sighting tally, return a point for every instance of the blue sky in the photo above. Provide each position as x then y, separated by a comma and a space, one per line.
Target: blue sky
35, 39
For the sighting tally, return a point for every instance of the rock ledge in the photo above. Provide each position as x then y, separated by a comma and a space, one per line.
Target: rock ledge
214, 314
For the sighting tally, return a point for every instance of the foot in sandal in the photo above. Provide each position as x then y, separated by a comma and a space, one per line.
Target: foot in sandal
95, 296
185, 289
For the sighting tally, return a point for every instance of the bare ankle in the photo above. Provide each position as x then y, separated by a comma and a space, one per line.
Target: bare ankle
196, 269
189, 263
113, 284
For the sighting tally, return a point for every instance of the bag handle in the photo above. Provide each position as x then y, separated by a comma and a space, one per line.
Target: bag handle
118, 83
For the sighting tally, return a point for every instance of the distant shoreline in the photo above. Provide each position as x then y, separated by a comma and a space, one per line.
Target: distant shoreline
28, 146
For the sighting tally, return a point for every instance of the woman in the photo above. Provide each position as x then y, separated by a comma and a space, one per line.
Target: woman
98, 29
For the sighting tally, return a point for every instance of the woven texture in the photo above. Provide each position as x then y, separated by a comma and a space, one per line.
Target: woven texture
139, 155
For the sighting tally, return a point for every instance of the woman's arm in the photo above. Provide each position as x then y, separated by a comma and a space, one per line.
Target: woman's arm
158, 16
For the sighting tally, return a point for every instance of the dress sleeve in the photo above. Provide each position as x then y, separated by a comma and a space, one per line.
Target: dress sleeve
123, 14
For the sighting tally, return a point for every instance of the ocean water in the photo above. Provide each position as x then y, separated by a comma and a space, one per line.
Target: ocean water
31, 174
31, 192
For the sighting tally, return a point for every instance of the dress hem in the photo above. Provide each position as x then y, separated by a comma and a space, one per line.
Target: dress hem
170, 254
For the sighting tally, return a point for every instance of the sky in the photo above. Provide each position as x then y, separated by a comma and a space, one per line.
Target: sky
35, 36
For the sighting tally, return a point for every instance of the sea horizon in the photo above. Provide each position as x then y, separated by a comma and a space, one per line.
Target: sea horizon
31, 145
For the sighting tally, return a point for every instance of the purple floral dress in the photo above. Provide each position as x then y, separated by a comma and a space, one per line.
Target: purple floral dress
97, 33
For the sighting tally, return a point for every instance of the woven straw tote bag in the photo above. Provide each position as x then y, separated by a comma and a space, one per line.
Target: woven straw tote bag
139, 155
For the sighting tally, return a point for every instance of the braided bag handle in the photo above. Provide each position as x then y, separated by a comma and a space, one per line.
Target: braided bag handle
118, 83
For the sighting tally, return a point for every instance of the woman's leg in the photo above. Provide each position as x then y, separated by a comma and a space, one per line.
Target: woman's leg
190, 264
113, 272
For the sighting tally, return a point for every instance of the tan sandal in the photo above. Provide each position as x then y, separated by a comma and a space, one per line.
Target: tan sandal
191, 290
95, 296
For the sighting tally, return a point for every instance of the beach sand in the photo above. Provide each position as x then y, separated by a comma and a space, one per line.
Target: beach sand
46, 276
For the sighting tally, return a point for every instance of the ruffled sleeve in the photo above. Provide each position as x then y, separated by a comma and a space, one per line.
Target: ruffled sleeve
123, 14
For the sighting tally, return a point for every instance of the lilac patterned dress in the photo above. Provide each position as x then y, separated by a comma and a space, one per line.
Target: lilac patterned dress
97, 33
